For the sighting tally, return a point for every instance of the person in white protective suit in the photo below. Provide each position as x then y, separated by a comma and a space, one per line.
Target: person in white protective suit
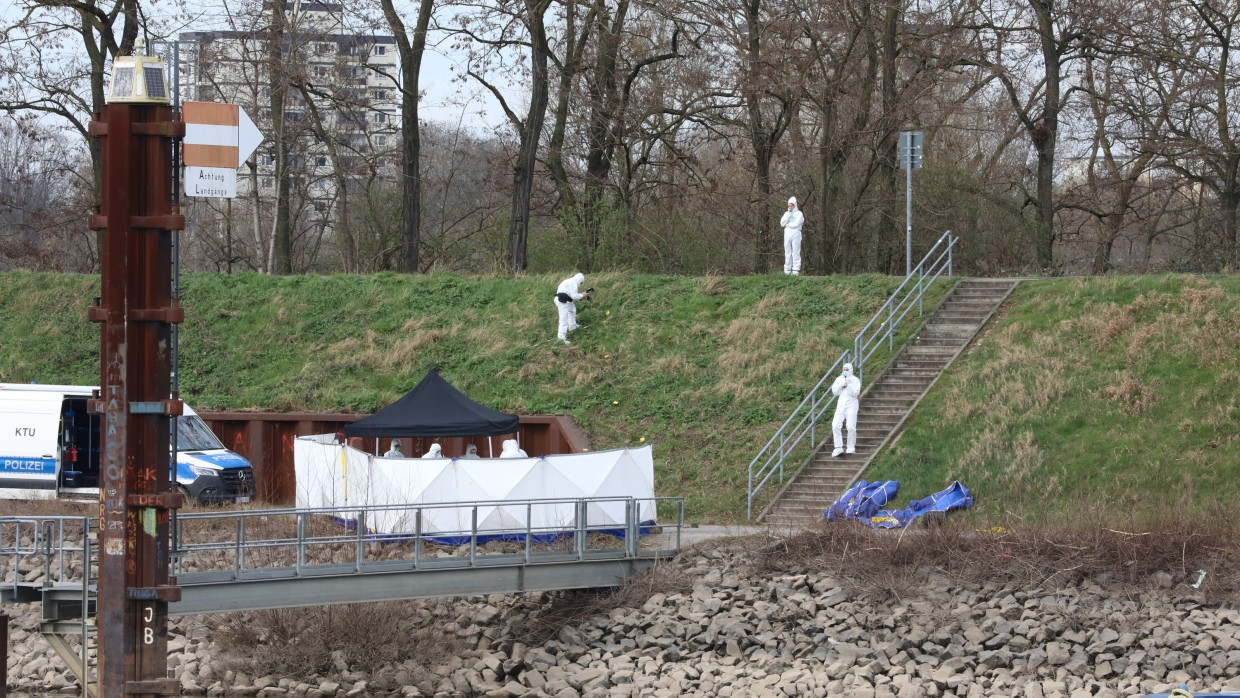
471, 451
435, 451
566, 295
792, 221
512, 450
394, 451
847, 389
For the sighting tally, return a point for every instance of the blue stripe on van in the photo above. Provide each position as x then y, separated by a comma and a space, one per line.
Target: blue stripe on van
13, 465
221, 458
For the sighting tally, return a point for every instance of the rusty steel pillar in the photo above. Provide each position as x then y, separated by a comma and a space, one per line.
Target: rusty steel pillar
4, 656
136, 309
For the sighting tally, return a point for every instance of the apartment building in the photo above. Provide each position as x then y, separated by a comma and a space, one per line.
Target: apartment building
342, 105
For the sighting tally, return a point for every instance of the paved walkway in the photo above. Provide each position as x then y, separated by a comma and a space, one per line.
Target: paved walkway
692, 534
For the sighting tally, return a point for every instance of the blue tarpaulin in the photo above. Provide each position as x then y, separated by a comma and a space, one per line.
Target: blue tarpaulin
862, 502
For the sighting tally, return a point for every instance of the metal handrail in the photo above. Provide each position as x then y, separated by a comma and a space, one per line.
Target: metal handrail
50, 538
803, 422
244, 540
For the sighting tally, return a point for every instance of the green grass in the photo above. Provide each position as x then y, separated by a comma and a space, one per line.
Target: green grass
1109, 399
704, 368
1106, 398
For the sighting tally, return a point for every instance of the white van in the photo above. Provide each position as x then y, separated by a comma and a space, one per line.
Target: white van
50, 446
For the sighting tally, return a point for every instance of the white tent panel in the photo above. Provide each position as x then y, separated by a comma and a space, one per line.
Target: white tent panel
332, 474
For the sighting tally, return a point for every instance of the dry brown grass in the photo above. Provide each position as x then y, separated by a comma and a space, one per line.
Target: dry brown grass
712, 285
1130, 395
1121, 561
48, 507
301, 642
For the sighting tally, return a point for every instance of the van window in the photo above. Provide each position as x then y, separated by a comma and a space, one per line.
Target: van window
194, 435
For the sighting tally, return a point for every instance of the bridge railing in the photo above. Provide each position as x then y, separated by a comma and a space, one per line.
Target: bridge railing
770, 463
291, 542
51, 547
299, 541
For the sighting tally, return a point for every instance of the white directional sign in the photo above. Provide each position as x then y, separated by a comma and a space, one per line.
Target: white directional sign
215, 182
218, 139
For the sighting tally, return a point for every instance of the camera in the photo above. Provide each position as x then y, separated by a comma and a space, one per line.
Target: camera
590, 290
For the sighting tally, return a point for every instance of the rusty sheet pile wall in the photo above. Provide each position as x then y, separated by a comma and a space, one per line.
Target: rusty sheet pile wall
266, 439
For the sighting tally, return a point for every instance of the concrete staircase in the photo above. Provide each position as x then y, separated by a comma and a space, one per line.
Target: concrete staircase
888, 401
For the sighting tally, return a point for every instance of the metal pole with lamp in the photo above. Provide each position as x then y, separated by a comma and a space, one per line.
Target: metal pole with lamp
136, 309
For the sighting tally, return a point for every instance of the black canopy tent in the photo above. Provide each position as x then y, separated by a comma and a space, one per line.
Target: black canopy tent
434, 408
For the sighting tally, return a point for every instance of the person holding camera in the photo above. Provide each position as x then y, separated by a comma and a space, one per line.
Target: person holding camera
792, 221
847, 388
565, 298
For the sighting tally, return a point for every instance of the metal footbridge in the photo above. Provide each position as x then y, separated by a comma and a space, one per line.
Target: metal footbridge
240, 560
251, 559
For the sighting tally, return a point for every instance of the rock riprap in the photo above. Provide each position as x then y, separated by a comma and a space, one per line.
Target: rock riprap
740, 633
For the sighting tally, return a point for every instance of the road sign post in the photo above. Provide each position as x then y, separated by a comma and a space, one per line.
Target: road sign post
910, 159
218, 139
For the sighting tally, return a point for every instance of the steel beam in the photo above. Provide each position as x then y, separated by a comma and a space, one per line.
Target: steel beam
136, 311
354, 588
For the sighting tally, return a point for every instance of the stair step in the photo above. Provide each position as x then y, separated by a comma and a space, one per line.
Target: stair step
967, 304
963, 315
945, 333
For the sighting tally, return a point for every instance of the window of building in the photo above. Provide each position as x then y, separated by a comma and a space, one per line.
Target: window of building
268, 160
380, 140
380, 50
381, 118
321, 161
381, 94
266, 182
323, 48
320, 71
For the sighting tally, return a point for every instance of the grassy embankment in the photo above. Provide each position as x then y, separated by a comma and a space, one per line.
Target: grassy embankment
1110, 399
704, 369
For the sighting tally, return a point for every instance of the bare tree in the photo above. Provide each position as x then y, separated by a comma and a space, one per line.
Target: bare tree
37, 76
1032, 42
410, 51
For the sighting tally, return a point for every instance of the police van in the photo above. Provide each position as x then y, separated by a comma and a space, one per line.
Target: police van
50, 446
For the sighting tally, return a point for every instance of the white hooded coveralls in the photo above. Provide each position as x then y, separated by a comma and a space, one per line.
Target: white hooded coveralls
511, 449
436, 451
847, 388
568, 311
792, 222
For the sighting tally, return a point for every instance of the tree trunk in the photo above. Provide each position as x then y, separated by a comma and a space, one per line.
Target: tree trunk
1045, 135
410, 54
531, 132
568, 73
281, 260
600, 132
889, 245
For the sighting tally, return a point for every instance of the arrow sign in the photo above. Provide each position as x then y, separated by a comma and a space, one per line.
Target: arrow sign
218, 139
248, 136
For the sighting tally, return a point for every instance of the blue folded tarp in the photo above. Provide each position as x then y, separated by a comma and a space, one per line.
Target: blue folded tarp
861, 502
